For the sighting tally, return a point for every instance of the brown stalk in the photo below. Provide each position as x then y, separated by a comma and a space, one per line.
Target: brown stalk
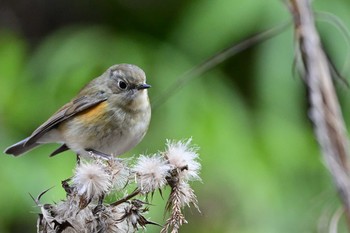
324, 111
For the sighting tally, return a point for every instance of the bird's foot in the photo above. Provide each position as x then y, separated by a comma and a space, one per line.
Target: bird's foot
98, 154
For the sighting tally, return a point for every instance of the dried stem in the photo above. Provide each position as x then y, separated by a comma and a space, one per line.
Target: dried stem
325, 111
128, 197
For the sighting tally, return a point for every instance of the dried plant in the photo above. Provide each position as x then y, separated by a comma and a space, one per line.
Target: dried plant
325, 111
85, 209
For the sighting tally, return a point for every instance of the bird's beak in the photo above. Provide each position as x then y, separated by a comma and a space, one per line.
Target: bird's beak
143, 86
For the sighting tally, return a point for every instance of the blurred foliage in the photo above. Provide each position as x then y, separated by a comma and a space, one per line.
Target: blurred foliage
262, 171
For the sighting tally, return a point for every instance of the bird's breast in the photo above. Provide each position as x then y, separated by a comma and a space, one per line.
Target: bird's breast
106, 128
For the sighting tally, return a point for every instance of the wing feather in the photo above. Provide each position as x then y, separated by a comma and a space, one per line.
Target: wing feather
70, 109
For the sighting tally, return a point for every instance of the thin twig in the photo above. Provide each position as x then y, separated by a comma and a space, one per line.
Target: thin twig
344, 31
128, 197
216, 60
333, 225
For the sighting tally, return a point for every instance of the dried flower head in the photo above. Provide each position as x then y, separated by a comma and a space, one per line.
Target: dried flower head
183, 157
91, 180
150, 173
109, 220
118, 171
133, 214
85, 210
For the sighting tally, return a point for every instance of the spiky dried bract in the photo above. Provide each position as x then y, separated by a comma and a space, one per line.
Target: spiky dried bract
186, 195
91, 180
183, 157
133, 214
174, 205
64, 217
181, 194
150, 173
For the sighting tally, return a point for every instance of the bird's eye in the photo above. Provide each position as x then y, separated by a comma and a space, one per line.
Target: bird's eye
122, 85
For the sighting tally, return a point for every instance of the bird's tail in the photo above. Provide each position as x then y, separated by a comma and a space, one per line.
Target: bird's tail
20, 148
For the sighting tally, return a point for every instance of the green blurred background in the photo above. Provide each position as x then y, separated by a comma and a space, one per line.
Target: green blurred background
261, 167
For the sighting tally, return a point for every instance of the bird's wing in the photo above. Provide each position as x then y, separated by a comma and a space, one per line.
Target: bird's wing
70, 109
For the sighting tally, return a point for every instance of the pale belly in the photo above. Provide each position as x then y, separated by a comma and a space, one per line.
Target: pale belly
111, 133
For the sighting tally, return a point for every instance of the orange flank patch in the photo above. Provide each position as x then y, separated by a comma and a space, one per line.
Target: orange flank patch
94, 113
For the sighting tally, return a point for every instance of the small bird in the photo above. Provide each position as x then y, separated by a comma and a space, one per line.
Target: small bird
108, 117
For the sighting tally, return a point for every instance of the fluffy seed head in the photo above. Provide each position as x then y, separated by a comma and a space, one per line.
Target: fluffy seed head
118, 171
91, 180
180, 155
150, 173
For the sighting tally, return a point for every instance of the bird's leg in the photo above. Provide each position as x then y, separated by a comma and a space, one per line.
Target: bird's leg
98, 153
66, 186
78, 159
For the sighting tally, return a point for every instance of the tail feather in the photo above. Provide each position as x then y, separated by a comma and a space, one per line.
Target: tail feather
20, 148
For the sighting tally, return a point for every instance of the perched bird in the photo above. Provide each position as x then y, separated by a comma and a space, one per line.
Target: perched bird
109, 116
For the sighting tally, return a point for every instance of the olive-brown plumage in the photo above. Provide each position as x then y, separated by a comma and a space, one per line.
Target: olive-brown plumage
109, 116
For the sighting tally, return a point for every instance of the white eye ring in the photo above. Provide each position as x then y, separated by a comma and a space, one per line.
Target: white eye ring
122, 85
